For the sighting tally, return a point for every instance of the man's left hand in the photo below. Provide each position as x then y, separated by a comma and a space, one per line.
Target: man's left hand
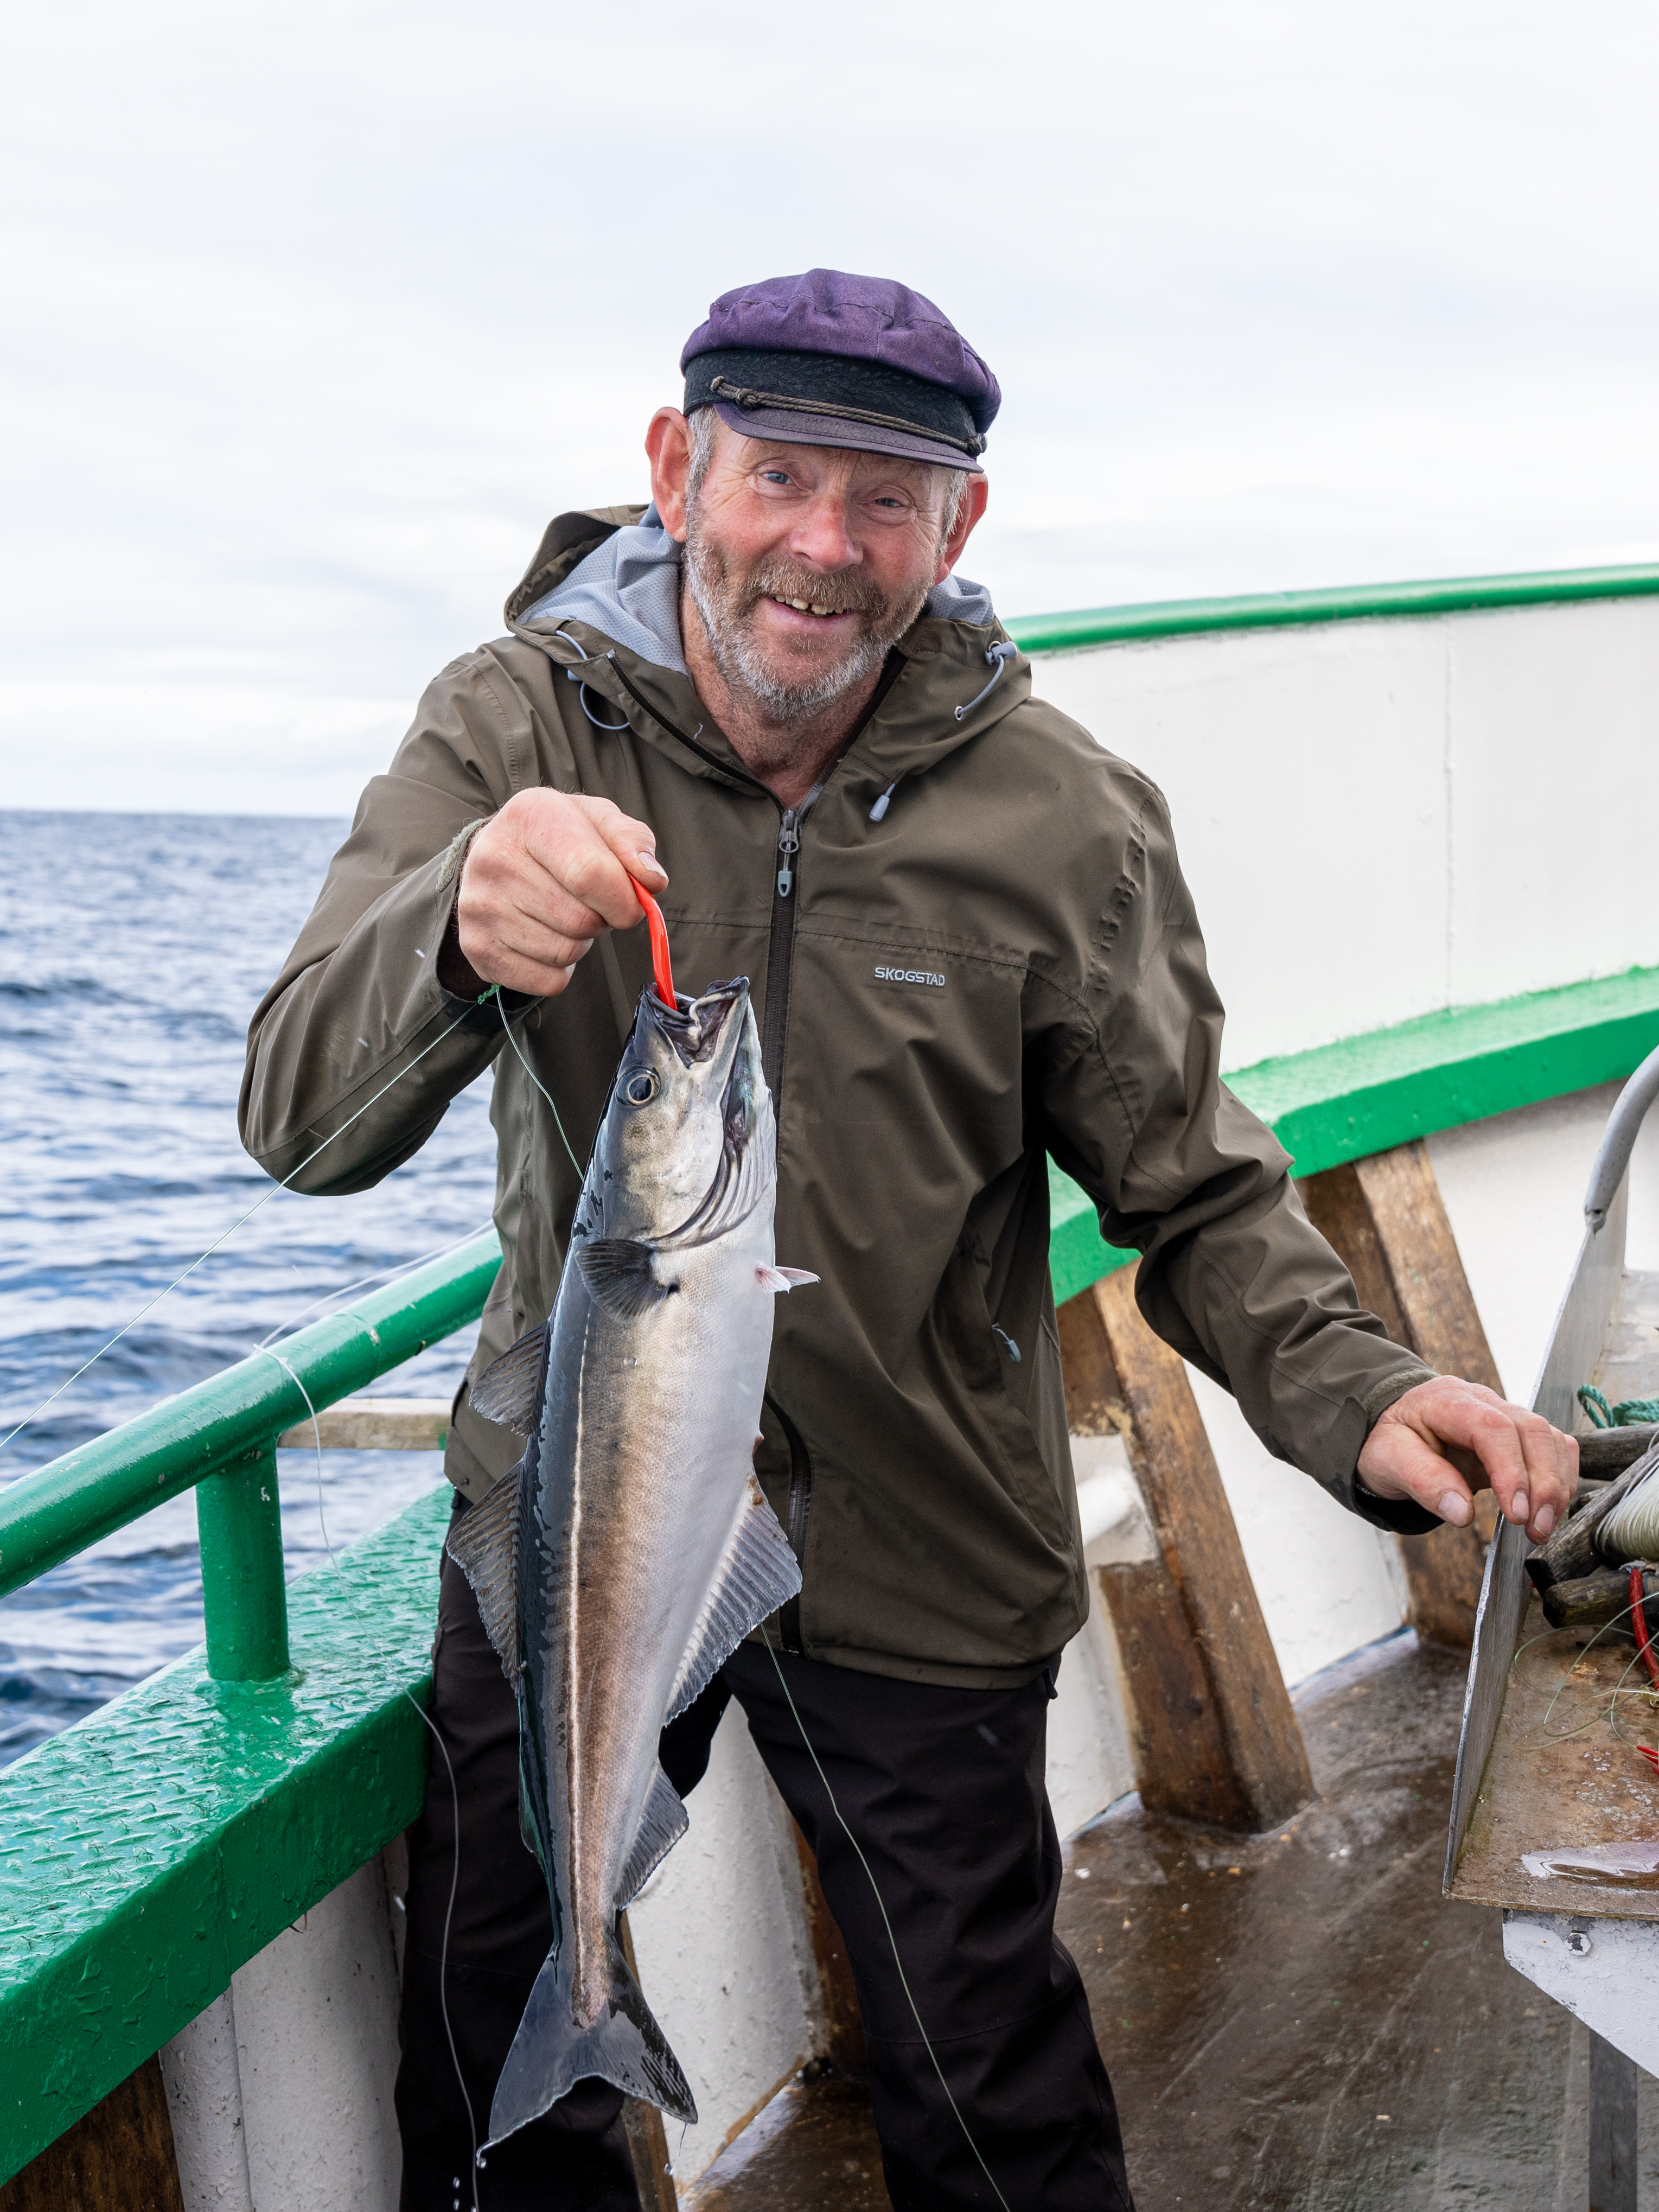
1443, 1440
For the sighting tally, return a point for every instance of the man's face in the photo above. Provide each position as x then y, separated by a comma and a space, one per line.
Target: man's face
807, 563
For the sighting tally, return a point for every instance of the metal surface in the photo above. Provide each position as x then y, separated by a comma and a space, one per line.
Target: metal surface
1600, 1970
1623, 1123
239, 1519
153, 1848
1575, 1342
61, 1508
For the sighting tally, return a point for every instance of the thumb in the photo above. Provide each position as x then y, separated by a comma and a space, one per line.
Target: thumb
1396, 1463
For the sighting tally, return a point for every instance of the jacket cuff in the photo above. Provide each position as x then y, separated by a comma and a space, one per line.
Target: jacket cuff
1400, 1517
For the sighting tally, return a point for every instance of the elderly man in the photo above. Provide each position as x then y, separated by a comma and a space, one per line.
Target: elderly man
769, 698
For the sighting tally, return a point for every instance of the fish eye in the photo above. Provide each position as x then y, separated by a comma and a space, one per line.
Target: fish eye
641, 1087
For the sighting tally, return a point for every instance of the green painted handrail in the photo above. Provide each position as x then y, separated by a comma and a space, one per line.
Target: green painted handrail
1091, 626
221, 1434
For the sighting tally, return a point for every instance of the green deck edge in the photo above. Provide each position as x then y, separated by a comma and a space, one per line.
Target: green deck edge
239, 1808
1095, 625
1345, 1101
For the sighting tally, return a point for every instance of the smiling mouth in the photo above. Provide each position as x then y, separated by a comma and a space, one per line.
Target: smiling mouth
806, 607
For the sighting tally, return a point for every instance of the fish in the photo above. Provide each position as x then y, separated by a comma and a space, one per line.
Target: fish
623, 1560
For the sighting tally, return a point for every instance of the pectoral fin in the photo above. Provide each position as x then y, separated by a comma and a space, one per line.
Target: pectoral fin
783, 1278
621, 1276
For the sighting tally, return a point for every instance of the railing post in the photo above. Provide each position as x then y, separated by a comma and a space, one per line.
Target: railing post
239, 1519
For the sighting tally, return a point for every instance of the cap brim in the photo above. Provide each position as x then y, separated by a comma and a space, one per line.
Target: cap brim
790, 429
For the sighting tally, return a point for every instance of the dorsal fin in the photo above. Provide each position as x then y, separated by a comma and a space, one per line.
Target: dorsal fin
484, 1546
509, 1391
662, 1824
757, 1573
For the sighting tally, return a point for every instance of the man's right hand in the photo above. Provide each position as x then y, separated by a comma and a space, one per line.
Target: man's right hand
542, 879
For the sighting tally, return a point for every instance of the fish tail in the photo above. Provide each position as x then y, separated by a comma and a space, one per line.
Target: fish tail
551, 2051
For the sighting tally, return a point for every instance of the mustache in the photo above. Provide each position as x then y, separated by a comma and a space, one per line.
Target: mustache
845, 593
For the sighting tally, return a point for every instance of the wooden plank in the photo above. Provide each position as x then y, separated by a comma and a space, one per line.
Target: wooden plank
1386, 1219
1216, 1738
843, 2023
648, 2139
117, 2158
374, 1424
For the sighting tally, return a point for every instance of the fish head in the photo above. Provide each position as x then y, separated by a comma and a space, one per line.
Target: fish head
687, 1143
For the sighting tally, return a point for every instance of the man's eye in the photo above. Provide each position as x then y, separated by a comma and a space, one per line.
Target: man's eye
774, 475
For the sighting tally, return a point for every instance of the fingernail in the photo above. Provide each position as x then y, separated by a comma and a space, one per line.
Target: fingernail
1454, 1508
1545, 1521
651, 861
1520, 1506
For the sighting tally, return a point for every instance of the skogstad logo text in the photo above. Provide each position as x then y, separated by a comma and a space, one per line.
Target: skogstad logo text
909, 975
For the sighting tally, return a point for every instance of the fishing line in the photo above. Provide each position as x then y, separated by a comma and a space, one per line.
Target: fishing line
385, 1275
227, 1234
904, 1982
581, 1171
348, 1584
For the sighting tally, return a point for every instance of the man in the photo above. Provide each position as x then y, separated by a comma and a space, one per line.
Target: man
768, 699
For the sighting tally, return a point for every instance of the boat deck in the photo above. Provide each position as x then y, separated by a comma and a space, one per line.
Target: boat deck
1294, 2023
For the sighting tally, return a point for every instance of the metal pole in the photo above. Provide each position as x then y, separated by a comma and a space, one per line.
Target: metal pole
239, 1517
1612, 2129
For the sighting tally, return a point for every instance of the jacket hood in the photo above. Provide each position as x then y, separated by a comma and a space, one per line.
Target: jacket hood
628, 588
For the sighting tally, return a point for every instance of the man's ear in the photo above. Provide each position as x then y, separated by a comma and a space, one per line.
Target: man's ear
668, 445
975, 497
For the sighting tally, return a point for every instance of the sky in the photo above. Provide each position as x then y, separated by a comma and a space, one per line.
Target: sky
316, 314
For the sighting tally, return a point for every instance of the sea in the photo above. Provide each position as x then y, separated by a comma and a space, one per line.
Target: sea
133, 951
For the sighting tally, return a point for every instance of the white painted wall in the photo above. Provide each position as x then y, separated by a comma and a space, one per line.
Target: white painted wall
1382, 818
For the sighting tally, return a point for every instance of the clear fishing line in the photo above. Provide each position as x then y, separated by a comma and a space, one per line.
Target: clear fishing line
384, 1275
150, 1304
581, 1170
904, 1979
427, 1723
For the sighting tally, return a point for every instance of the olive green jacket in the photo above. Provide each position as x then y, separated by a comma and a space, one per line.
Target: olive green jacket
1000, 963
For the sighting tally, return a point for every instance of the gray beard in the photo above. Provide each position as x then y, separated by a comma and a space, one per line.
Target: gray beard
724, 607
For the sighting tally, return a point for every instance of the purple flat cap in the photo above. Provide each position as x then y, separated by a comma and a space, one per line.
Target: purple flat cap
830, 360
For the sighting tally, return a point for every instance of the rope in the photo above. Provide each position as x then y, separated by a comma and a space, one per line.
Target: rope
1629, 1413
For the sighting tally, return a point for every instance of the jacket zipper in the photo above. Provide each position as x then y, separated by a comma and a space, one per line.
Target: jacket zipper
798, 1513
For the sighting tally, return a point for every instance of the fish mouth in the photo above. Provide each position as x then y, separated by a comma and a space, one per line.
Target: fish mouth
694, 1027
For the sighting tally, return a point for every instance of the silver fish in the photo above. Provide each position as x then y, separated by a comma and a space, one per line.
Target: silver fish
624, 1559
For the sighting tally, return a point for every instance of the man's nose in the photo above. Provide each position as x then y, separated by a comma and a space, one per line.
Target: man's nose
823, 534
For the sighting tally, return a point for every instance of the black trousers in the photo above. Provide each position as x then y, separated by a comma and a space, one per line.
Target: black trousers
943, 1789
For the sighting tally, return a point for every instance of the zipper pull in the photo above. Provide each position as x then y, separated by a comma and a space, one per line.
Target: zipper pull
788, 845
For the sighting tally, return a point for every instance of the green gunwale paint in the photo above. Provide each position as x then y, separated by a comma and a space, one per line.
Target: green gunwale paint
1096, 626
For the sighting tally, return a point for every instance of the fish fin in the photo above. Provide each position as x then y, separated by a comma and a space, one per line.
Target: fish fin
552, 2051
509, 1391
621, 1276
484, 1546
757, 1573
662, 1824
529, 1834
783, 1278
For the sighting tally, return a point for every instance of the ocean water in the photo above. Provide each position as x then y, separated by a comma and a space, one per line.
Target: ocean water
133, 949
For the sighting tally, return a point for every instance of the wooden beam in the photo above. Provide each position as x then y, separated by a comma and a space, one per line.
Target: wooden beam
118, 2157
1387, 1221
843, 2023
1216, 1738
374, 1424
647, 2138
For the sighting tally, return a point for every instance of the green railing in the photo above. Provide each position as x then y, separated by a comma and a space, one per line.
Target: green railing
219, 1439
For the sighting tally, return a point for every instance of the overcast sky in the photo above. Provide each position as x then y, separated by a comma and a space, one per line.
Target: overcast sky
316, 314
